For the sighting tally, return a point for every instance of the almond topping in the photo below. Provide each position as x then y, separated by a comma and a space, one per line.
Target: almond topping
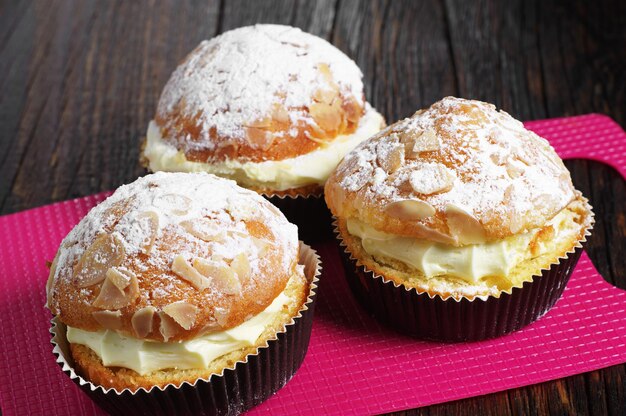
261, 123
174, 203
261, 245
431, 178
221, 316
326, 96
142, 321
514, 217
410, 209
280, 114
325, 71
390, 158
316, 134
327, 116
259, 137
108, 319
422, 141
222, 275
183, 313
184, 270
105, 252
514, 170
168, 327
148, 223
121, 279
464, 227
353, 110
204, 229
241, 266
111, 296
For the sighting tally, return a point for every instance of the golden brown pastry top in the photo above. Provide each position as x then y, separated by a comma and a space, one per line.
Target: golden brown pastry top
459, 172
173, 255
263, 92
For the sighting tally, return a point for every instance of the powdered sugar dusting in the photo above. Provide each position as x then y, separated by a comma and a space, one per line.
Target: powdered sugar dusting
232, 80
149, 216
482, 161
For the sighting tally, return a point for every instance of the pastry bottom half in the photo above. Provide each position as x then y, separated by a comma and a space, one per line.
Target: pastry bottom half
90, 366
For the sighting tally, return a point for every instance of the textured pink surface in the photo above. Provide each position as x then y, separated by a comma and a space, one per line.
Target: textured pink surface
353, 366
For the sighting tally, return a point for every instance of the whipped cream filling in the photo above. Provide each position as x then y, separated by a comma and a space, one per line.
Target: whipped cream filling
145, 356
470, 262
308, 169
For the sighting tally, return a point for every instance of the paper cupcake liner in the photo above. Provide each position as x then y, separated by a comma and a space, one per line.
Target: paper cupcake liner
238, 388
308, 212
422, 315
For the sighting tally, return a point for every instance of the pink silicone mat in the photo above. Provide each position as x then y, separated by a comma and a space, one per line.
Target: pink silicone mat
353, 365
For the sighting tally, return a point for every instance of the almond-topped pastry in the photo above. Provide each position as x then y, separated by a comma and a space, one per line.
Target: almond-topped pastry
269, 106
173, 278
459, 201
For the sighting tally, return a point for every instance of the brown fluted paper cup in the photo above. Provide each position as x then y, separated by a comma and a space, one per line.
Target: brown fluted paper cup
422, 315
236, 389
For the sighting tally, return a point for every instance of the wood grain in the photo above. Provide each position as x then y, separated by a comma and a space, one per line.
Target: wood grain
80, 79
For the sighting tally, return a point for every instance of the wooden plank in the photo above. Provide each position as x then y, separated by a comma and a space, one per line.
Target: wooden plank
78, 104
80, 79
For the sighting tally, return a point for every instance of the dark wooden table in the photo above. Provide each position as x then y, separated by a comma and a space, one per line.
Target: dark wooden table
79, 81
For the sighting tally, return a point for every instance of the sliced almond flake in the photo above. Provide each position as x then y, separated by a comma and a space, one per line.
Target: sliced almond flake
280, 114
426, 141
111, 296
543, 200
260, 138
204, 228
431, 178
351, 110
390, 156
241, 266
317, 135
514, 170
498, 158
261, 245
410, 209
175, 203
184, 270
120, 278
168, 326
108, 319
221, 316
324, 69
148, 222
183, 313
143, 320
105, 252
327, 116
220, 274
264, 123
463, 226
326, 95
515, 219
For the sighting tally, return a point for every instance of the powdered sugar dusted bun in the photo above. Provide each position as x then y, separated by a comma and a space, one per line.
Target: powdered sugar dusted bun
257, 93
171, 256
459, 172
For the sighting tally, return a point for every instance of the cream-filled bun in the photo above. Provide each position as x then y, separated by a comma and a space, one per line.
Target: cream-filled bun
459, 199
269, 106
172, 273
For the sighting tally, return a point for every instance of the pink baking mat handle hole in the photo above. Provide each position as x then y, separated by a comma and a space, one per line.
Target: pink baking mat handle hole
606, 169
